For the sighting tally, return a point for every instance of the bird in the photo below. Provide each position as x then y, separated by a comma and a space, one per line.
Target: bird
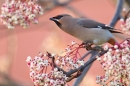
86, 29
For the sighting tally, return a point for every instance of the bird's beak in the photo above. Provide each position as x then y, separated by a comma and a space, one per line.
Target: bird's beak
54, 19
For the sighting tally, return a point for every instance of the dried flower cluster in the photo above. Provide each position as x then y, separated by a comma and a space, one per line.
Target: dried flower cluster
71, 58
40, 66
116, 64
125, 23
39, 74
16, 12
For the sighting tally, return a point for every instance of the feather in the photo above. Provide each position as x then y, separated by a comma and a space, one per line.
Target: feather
87, 23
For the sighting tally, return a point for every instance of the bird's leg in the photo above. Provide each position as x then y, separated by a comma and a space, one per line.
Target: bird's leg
88, 44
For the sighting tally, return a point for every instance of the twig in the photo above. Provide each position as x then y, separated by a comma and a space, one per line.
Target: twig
85, 55
80, 78
81, 68
117, 14
109, 81
78, 70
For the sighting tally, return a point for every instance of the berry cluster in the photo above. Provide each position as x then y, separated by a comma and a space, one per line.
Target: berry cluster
16, 12
116, 64
40, 77
40, 66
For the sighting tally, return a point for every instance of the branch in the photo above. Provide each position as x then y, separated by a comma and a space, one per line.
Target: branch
79, 70
117, 16
86, 55
80, 78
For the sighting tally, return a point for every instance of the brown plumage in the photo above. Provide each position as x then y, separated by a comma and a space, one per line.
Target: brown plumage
85, 29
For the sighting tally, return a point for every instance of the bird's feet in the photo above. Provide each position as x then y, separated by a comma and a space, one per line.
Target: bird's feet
88, 45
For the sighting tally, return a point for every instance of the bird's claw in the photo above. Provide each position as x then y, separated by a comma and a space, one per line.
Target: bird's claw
88, 45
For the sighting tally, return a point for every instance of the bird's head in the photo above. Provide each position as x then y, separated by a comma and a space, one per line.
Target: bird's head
59, 19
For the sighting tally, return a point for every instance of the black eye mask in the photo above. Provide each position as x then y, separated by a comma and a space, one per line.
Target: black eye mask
58, 17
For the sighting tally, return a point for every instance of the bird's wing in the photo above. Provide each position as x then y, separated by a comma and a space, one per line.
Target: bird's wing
93, 24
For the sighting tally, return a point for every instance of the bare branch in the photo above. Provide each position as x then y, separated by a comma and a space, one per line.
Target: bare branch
80, 78
71, 73
118, 11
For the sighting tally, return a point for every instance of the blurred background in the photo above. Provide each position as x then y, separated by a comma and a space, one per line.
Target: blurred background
17, 44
